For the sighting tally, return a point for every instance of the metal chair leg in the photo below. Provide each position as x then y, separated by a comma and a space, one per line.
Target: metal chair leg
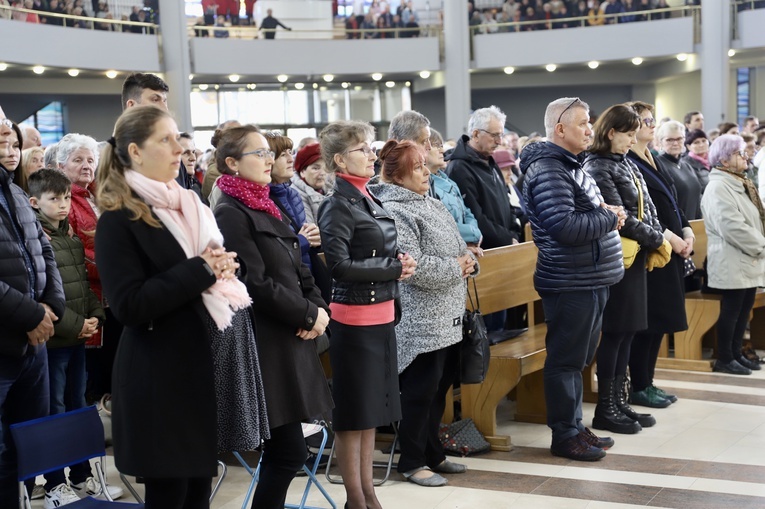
387, 465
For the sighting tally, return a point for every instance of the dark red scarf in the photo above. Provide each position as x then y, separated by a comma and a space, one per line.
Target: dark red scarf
254, 196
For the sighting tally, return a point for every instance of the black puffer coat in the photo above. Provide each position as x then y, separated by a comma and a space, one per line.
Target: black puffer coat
579, 248
20, 304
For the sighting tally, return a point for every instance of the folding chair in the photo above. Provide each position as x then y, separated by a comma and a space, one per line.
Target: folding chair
387, 465
223, 469
53, 443
308, 430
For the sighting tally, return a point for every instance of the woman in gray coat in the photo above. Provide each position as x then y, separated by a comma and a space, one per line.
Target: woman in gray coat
733, 217
432, 302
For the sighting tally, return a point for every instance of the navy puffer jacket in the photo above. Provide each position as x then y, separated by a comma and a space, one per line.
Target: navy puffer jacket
20, 304
579, 248
288, 200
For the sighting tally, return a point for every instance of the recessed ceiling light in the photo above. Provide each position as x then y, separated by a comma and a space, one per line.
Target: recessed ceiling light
252, 86
233, 78
377, 76
345, 84
509, 70
300, 86
328, 77
424, 74
203, 87
73, 72
191, 77
637, 60
390, 84
282, 78
593, 64
551, 67
408, 84
38, 69
3, 66
682, 57
111, 74
216, 87
315, 86
731, 52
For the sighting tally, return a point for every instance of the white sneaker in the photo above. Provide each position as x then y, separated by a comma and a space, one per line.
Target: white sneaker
92, 488
59, 496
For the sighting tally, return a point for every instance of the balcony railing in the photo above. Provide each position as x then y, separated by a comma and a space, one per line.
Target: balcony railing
86, 22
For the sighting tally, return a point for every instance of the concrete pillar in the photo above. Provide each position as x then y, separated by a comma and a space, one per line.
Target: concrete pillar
456, 67
176, 60
715, 64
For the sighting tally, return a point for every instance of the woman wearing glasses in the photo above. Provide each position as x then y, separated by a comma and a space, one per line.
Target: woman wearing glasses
289, 313
733, 217
671, 136
360, 246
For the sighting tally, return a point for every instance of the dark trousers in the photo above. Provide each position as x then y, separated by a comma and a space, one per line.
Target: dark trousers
614, 354
178, 493
100, 361
735, 307
573, 322
643, 355
284, 454
424, 384
24, 395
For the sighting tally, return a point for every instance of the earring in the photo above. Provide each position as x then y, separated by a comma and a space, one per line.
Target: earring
236, 173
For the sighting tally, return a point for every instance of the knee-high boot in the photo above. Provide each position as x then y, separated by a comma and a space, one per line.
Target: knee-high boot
607, 414
621, 385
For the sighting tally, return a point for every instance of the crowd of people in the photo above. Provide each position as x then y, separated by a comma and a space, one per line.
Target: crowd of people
205, 323
52, 12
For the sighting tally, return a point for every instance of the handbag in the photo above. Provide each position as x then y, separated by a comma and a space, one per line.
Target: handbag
462, 438
630, 247
474, 349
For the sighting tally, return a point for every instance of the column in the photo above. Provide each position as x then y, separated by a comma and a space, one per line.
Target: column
715, 64
456, 38
176, 60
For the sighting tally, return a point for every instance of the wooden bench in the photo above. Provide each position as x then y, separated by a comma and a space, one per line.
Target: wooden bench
702, 311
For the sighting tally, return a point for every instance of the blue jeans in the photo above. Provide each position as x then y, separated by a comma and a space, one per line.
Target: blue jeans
574, 321
67, 392
23, 396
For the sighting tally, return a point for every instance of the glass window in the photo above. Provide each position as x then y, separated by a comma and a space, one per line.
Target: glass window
49, 120
742, 93
204, 108
297, 107
253, 107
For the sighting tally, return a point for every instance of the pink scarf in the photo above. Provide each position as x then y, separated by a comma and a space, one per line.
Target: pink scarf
254, 196
193, 226
702, 159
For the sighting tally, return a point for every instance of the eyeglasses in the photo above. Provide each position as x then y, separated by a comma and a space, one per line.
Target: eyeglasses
743, 155
366, 149
260, 153
496, 136
649, 122
673, 140
7, 123
576, 100
437, 146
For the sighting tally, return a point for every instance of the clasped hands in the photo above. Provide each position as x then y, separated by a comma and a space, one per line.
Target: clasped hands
467, 265
408, 265
44, 330
222, 262
311, 232
319, 326
621, 215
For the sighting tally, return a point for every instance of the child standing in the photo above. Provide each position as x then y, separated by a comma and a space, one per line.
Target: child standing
51, 197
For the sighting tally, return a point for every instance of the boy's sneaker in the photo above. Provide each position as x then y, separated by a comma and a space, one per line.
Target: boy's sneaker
38, 492
59, 496
92, 488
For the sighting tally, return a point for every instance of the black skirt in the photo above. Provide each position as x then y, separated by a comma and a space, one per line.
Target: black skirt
364, 376
627, 307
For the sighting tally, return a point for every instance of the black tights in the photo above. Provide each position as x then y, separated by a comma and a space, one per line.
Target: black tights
643, 355
284, 454
178, 493
734, 313
613, 354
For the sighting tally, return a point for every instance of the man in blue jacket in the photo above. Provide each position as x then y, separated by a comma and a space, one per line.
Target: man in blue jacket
31, 300
580, 257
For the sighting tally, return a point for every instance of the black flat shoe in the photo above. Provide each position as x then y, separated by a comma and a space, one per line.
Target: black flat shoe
754, 366
732, 368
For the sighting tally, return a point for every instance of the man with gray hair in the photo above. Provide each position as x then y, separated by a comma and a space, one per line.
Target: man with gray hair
410, 125
480, 180
579, 258
32, 137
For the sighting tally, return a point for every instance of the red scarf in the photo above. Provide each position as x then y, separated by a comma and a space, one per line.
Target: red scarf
254, 196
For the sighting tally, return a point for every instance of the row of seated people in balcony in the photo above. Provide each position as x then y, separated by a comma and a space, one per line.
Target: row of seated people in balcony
100, 9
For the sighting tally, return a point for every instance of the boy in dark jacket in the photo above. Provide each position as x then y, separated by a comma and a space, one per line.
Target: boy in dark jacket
51, 197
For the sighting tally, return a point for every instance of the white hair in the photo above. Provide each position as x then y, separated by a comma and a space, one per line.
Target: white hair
73, 141
481, 118
669, 128
560, 110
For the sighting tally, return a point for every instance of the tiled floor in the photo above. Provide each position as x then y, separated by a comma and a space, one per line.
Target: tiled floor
707, 451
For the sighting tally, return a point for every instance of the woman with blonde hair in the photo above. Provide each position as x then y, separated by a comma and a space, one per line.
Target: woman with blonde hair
32, 160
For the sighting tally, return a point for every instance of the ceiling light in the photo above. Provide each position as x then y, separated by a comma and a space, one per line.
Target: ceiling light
731, 52
252, 86
357, 88
593, 64
682, 57
390, 84
300, 86
233, 78
637, 60
551, 67
424, 74
328, 77
315, 86
345, 84
38, 69
203, 87
191, 77
73, 72
377, 76
408, 84
509, 70
282, 78
216, 87
3, 66
111, 74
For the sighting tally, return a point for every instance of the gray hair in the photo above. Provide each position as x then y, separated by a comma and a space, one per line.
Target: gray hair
49, 157
75, 141
481, 118
723, 148
341, 135
669, 128
407, 125
560, 110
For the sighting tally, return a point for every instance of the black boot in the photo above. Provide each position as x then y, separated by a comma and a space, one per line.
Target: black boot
607, 414
622, 386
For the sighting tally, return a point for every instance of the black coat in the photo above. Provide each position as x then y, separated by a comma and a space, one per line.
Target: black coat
687, 184
285, 299
163, 413
666, 286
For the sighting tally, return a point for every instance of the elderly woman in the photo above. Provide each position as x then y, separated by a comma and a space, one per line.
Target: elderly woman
310, 179
622, 184
289, 313
32, 160
696, 155
733, 217
428, 341
666, 286
361, 248
670, 137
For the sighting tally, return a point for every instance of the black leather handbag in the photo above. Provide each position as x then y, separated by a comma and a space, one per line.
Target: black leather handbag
474, 349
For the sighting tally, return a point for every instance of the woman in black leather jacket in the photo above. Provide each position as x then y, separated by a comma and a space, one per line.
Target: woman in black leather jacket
359, 241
